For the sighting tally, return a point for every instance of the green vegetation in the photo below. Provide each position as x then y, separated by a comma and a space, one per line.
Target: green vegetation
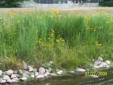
107, 3
9, 3
67, 40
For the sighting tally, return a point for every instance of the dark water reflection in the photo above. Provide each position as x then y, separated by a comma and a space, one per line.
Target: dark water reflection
75, 79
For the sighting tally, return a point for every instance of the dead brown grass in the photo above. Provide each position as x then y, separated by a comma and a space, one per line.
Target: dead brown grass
81, 10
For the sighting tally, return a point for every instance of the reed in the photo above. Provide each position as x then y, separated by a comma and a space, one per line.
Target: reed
67, 40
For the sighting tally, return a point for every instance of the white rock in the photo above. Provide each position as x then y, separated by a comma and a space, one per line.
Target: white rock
6, 77
2, 81
40, 76
9, 81
107, 62
49, 70
95, 66
32, 76
15, 80
23, 78
20, 71
98, 61
26, 73
51, 62
60, 72
42, 70
46, 74
34, 70
102, 65
80, 70
15, 72
36, 73
30, 68
25, 65
1, 72
94, 76
9, 72
53, 74
72, 72
105, 65
14, 75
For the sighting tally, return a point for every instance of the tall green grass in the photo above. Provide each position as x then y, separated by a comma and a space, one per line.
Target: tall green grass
67, 40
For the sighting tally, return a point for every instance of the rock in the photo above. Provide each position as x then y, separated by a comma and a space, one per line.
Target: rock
107, 62
30, 68
80, 70
72, 72
34, 70
9, 72
102, 65
20, 71
1, 72
46, 74
98, 61
14, 76
2, 81
51, 62
6, 77
15, 80
26, 74
94, 76
42, 70
32, 76
15, 72
23, 78
49, 70
9, 81
95, 66
25, 65
53, 74
59, 72
36, 74
40, 76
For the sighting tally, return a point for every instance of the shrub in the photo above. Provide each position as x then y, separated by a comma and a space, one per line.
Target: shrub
107, 3
9, 3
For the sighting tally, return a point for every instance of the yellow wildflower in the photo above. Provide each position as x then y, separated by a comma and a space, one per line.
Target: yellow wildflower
55, 12
57, 40
97, 44
61, 39
5, 19
11, 14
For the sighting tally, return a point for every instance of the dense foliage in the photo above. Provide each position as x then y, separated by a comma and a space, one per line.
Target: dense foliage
107, 3
67, 40
9, 3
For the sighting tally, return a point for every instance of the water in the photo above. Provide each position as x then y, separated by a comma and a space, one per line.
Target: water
74, 79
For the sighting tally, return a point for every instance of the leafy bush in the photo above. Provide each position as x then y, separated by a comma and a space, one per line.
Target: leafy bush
107, 3
9, 3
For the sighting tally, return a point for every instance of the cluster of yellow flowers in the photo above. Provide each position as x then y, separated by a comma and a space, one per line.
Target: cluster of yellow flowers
5, 19
11, 14
98, 44
59, 40
55, 13
103, 12
51, 40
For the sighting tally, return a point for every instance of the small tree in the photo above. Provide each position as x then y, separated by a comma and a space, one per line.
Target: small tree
9, 3
106, 3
